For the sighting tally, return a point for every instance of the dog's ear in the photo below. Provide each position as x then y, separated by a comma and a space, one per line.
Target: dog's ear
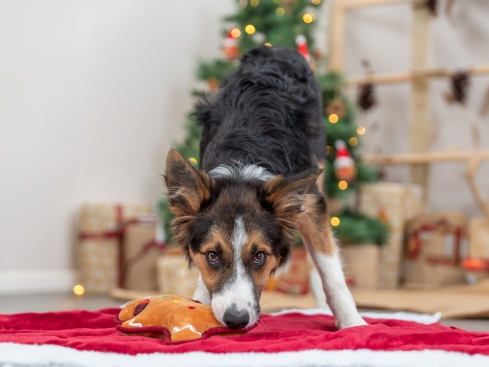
285, 198
187, 187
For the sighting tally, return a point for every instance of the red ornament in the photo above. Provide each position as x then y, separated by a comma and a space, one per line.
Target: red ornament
301, 43
230, 47
344, 165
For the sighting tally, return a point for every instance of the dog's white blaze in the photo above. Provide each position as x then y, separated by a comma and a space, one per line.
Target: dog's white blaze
239, 170
338, 295
240, 290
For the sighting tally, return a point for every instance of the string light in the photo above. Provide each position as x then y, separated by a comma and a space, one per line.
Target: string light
361, 130
342, 185
307, 18
333, 118
353, 142
193, 160
235, 33
280, 11
78, 290
268, 44
316, 2
250, 29
335, 221
254, 2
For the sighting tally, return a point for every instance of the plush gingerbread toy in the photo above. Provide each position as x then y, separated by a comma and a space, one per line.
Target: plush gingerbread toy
172, 318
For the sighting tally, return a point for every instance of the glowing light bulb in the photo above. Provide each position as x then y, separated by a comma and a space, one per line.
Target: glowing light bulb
250, 29
333, 118
316, 2
193, 160
235, 33
307, 18
78, 290
268, 44
353, 142
335, 221
342, 185
361, 130
280, 11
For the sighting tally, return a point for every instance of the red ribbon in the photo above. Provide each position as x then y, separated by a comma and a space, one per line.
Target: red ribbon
119, 234
413, 253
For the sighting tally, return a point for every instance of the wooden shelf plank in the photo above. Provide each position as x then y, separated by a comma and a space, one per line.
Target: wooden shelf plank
430, 157
391, 78
355, 4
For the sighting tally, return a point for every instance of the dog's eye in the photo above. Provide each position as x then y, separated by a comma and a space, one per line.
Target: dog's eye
212, 256
260, 257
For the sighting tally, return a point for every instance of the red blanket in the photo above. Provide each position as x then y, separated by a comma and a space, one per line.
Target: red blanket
294, 332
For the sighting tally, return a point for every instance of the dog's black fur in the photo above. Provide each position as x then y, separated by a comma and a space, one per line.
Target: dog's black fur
237, 222
268, 112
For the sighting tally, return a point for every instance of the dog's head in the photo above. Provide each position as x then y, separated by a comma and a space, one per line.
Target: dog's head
236, 231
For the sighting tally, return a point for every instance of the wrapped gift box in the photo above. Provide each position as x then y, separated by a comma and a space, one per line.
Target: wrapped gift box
293, 278
435, 245
479, 238
101, 227
175, 276
141, 250
395, 204
361, 264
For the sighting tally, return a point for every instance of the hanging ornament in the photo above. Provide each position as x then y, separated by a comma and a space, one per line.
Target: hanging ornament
303, 48
335, 107
366, 96
460, 84
213, 84
230, 47
432, 6
344, 165
259, 37
301, 43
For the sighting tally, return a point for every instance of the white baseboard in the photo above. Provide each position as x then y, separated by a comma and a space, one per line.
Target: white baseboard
16, 282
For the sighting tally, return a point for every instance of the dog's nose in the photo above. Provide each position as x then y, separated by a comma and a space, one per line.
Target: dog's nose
235, 319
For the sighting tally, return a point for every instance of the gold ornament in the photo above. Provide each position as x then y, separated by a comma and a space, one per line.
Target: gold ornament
213, 84
335, 107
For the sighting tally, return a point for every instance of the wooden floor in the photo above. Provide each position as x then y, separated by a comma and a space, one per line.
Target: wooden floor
46, 303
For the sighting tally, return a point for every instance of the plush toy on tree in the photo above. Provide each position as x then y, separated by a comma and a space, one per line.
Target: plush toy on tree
344, 164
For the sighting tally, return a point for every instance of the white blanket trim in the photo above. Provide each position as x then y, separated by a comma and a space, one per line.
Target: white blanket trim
54, 356
420, 318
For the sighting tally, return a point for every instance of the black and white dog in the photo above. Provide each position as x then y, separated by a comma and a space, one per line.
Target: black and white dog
261, 153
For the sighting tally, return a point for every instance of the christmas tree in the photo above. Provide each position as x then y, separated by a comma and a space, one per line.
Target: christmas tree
290, 23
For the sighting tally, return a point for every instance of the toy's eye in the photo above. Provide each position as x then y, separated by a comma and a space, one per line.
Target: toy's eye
212, 256
260, 257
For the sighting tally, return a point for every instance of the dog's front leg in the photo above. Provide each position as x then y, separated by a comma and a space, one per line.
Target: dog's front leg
318, 239
201, 293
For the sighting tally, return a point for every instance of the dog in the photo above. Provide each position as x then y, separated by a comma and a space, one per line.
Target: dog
260, 181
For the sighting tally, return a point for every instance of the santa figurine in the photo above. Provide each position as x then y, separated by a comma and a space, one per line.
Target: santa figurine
230, 47
344, 165
301, 43
303, 48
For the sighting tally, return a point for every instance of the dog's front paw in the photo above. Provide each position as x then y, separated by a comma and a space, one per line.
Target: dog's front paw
351, 321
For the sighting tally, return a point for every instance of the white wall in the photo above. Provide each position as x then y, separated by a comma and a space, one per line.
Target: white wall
92, 93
